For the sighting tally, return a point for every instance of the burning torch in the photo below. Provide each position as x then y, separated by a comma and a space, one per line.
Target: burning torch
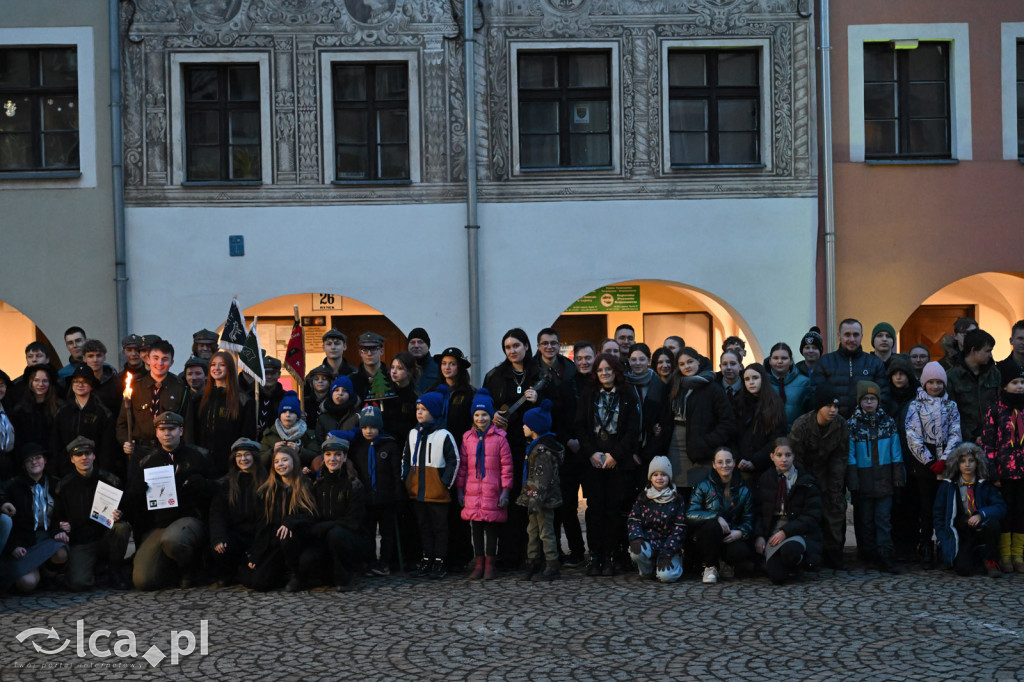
128, 404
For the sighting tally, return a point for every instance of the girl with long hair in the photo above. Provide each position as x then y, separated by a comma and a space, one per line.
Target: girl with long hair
761, 418
224, 414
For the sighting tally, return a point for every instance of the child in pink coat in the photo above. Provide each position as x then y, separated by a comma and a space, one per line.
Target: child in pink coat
483, 483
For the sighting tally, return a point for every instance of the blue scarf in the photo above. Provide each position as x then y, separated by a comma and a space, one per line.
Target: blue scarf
481, 464
529, 449
371, 465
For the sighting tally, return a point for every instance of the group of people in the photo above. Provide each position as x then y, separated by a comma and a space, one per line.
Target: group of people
408, 466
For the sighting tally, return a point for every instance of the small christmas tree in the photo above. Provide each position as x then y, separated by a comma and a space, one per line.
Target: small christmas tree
379, 388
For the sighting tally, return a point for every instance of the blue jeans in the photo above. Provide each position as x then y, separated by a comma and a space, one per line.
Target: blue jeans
872, 523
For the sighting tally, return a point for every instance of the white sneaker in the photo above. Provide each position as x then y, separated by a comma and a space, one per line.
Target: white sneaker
710, 575
728, 572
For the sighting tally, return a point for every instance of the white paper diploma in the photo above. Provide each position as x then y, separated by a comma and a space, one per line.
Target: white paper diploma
104, 504
161, 492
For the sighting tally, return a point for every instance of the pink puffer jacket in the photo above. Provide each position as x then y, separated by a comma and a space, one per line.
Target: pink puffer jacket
482, 493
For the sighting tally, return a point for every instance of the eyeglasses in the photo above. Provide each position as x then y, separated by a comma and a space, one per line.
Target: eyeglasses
369, 349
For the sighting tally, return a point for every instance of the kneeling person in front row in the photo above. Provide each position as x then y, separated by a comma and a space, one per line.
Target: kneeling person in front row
788, 507
89, 539
657, 525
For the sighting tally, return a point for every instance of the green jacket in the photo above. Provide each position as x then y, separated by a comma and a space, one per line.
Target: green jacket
542, 488
973, 395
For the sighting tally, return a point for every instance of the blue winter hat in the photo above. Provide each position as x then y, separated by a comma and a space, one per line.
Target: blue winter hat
371, 416
344, 382
434, 401
290, 403
539, 418
483, 401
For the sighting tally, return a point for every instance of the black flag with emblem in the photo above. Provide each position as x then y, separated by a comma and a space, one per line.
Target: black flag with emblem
250, 358
233, 336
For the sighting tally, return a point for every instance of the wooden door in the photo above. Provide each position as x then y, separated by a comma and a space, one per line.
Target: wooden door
929, 324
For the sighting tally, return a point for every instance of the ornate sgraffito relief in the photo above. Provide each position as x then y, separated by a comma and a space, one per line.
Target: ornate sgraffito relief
294, 32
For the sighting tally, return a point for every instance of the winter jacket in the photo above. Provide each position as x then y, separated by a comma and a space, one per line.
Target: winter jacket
1003, 437
383, 484
502, 384
458, 417
215, 431
944, 435
270, 400
710, 421
192, 483
340, 501
541, 487
299, 521
110, 390
798, 392
20, 492
562, 393
751, 442
875, 465
947, 506
337, 417
240, 519
708, 502
843, 369
430, 461
309, 446
399, 413
73, 503
174, 397
663, 526
95, 422
802, 513
814, 445
34, 424
483, 481
655, 392
973, 394
621, 445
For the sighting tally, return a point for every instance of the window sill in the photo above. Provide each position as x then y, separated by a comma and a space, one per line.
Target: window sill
911, 162
719, 166
220, 184
370, 183
42, 175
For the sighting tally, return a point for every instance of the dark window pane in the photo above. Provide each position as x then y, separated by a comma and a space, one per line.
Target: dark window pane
589, 117
737, 68
204, 163
391, 82
927, 100
14, 67
539, 151
688, 115
1020, 99
929, 137
245, 162
737, 148
393, 126
880, 100
244, 127
879, 65
590, 150
202, 85
687, 69
351, 162
244, 84
203, 128
394, 162
349, 83
538, 71
689, 148
60, 113
59, 67
880, 137
737, 114
1020, 138
17, 114
588, 71
538, 117
928, 62
15, 151
350, 126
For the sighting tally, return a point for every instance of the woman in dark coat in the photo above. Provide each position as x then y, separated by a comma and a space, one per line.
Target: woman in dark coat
235, 514
761, 419
608, 428
84, 415
33, 416
223, 415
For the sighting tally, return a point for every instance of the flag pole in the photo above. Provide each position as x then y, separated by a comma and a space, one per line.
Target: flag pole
299, 381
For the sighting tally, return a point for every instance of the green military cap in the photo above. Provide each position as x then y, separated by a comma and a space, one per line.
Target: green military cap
149, 339
270, 362
334, 334
371, 339
169, 418
333, 442
205, 336
80, 446
196, 361
132, 341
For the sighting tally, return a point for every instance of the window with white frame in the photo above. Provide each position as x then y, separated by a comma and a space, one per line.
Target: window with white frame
220, 118
371, 117
1013, 90
716, 106
47, 107
909, 92
565, 107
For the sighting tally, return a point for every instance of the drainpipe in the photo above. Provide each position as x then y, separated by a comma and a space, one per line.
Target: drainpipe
828, 193
117, 170
472, 228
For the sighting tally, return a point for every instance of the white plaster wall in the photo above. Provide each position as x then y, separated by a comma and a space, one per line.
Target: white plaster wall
409, 262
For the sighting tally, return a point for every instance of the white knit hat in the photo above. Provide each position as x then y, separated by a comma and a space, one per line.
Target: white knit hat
661, 464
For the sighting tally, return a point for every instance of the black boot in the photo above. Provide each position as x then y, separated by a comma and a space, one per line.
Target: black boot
533, 567
927, 555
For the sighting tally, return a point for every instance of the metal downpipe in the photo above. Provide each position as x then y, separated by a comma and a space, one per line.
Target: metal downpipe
828, 191
117, 170
472, 228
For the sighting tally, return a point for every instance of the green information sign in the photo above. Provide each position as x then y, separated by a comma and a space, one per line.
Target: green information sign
615, 298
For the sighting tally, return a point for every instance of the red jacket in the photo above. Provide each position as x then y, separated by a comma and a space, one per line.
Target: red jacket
482, 493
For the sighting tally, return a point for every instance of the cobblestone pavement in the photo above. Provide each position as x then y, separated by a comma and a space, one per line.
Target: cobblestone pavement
857, 624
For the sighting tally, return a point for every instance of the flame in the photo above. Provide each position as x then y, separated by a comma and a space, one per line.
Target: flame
128, 386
